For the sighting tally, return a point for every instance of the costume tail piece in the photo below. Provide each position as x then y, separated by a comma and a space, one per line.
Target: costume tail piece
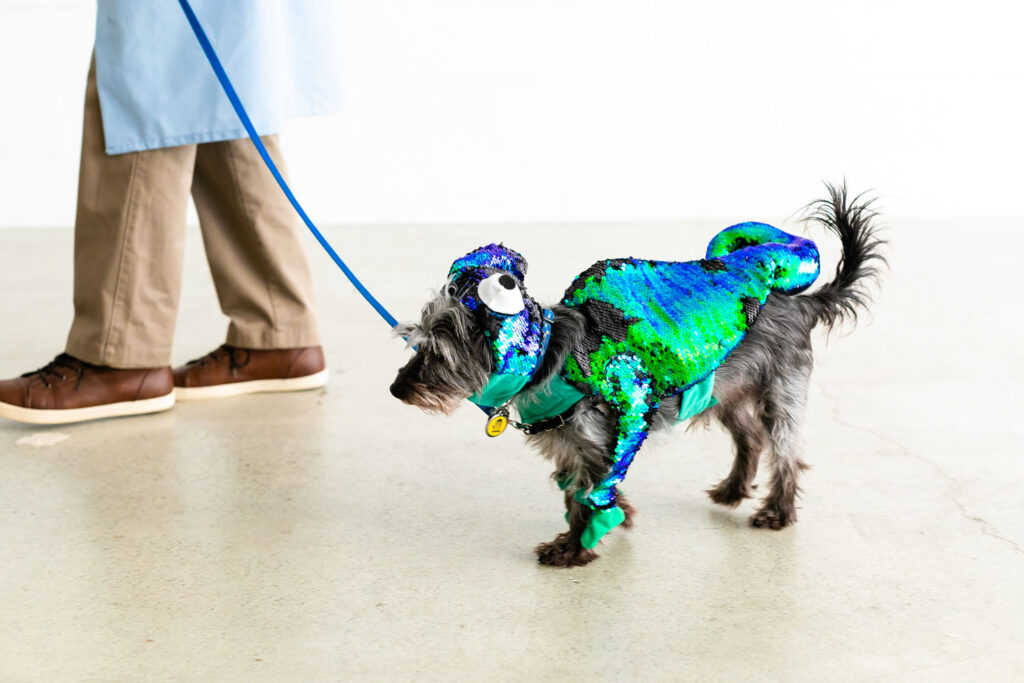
853, 220
790, 263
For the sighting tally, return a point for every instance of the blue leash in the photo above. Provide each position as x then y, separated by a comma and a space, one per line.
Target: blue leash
243, 116
229, 90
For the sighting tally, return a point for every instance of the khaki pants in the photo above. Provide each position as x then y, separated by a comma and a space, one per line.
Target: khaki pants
130, 238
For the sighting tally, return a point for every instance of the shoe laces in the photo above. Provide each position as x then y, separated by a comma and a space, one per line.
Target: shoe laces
59, 369
238, 358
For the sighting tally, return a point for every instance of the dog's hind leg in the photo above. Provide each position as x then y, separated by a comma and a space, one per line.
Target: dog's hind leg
749, 435
784, 406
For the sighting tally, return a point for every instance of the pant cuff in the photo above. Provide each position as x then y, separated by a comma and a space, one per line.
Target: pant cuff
272, 339
116, 357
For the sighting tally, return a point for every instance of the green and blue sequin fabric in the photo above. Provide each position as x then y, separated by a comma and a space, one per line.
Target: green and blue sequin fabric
658, 328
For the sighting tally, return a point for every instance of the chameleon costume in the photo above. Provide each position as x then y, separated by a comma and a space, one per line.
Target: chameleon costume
655, 329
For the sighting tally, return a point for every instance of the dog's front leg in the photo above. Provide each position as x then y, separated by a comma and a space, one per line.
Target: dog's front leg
566, 550
594, 507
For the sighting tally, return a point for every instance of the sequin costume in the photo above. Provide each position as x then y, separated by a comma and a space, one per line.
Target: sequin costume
655, 329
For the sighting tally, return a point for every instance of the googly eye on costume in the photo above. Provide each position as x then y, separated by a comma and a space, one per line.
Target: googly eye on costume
500, 293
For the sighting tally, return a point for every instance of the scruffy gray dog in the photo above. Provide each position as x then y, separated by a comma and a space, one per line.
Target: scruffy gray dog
591, 375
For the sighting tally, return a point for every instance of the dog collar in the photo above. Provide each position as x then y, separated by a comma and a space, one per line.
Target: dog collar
541, 409
548, 403
499, 390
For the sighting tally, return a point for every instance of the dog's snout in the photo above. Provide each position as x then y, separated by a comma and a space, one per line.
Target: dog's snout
401, 387
398, 390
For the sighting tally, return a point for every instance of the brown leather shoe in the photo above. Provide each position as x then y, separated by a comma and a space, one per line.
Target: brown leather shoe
231, 371
70, 390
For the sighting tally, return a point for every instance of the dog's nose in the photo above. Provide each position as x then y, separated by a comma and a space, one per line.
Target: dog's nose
397, 390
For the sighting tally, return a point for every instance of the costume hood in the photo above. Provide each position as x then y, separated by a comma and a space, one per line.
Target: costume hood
489, 282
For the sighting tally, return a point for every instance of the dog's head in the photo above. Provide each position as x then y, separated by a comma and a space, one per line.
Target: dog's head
480, 335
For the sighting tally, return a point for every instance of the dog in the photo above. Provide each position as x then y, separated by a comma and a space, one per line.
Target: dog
609, 370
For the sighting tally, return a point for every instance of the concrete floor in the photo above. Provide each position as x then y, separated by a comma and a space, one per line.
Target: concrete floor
339, 535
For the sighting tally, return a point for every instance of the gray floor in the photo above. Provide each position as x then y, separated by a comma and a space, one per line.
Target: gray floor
340, 535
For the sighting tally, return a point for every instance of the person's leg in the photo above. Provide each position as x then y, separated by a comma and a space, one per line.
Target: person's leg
129, 235
129, 248
252, 239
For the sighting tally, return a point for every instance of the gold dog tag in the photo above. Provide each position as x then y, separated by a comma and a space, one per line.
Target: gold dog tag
496, 425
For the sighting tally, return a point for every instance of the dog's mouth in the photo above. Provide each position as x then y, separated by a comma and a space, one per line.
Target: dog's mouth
420, 396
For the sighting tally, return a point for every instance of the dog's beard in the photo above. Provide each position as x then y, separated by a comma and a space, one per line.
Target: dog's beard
430, 400
432, 384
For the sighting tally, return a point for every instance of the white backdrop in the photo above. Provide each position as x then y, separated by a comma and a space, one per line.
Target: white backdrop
597, 110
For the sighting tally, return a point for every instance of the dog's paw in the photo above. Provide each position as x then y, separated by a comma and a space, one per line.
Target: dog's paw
627, 509
730, 493
772, 518
564, 551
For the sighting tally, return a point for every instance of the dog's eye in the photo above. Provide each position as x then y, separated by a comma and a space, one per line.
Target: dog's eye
500, 293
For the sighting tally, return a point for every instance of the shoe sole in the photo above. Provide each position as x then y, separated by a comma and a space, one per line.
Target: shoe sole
72, 415
256, 386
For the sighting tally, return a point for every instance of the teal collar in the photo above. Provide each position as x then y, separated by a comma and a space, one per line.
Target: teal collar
540, 409
499, 390
554, 398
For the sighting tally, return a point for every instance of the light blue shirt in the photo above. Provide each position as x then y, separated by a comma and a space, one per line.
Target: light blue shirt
156, 88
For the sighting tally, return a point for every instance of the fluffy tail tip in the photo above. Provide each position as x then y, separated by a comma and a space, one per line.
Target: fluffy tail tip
854, 221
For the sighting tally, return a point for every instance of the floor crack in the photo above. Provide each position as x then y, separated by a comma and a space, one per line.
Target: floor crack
984, 526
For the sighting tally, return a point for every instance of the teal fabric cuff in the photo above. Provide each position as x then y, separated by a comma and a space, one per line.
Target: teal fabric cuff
601, 522
697, 398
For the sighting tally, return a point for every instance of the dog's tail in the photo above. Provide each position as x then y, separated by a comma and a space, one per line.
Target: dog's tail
862, 260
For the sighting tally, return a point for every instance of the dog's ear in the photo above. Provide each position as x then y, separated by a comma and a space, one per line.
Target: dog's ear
411, 332
404, 329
